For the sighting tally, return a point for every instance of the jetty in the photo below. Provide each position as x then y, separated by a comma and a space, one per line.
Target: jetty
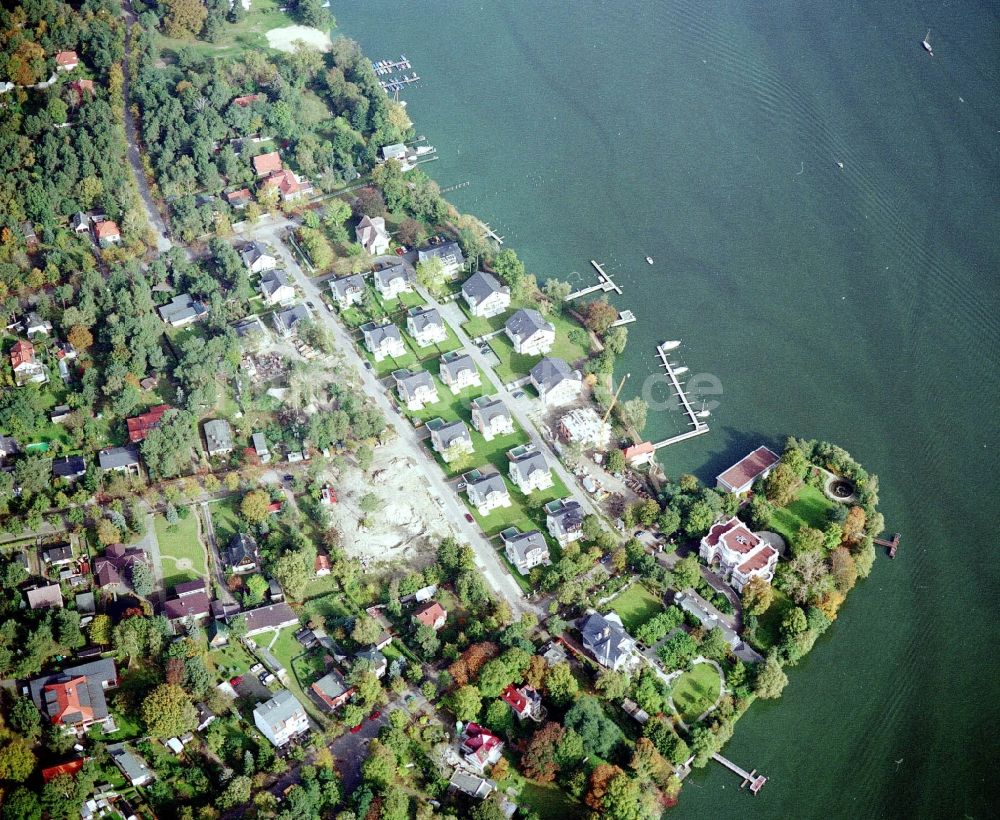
492, 234
698, 426
890, 544
399, 83
456, 186
754, 780
625, 317
604, 283
383, 67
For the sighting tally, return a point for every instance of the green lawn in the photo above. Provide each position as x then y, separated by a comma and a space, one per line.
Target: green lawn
226, 520
330, 607
401, 303
236, 38
525, 512
635, 606
809, 509
545, 799
231, 660
386, 366
695, 691
180, 544
515, 365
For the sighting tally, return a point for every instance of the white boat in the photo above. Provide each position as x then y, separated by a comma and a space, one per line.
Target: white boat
927, 43
703, 413
649, 260
670, 345
679, 370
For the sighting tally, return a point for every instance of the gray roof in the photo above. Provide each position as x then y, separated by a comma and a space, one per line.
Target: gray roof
241, 549
63, 552
481, 286
489, 408
252, 325
259, 443
271, 281
342, 286
97, 673
371, 655
133, 767
529, 462
564, 516
8, 446
707, 619
332, 684
471, 784
289, 318
218, 435
522, 543
446, 251
375, 334
550, 372
605, 638
47, 596
395, 271
181, 308
420, 318
408, 381
69, 466
485, 483
278, 709
252, 252
449, 433
526, 322
116, 457
455, 362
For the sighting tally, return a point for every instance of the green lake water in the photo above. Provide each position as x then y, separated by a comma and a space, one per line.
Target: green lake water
855, 304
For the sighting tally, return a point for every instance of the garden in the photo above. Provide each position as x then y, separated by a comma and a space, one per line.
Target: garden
181, 550
696, 691
635, 606
809, 509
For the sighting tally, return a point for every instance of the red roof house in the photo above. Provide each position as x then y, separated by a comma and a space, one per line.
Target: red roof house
322, 565
70, 767
66, 60
639, 453
288, 184
740, 477
526, 702
22, 355
247, 99
481, 748
139, 426
432, 614
82, 87
238, 199
107, 233
265, 164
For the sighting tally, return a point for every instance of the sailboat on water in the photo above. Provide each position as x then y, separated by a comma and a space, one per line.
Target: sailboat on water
703, 413
927, 43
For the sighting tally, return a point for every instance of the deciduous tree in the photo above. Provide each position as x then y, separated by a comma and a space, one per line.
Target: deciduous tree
167, 711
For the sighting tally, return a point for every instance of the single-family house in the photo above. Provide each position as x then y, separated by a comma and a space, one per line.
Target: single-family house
281, 718
35, 325
348, 290
431, 614
525, 550
259, 442
60, 413
74, 698
425, 326
374, 660
8, 447
393, 280
709, 621
58, 556
182, 310
270, 617
739, 478
190, 601
383, 340
491, 418
205, 716
486, 489
289, 185
132, 766
484, 294
332, 690
107, 234
274, 590
238, 199
257, 258
66, 60
458, 371
416, 388
119, 460
69, 468
114, 567
528, 469
638, 454
265, 164
585, 427
242, 554
605, 638
737, 553
80, 223
26, 369
139, 426
451, 440
218, 437
530, 333
372, 235
276, 288
471, 784
564, 520
525, 701
286, 321
322, 565
480, 747
556, 382
447, 250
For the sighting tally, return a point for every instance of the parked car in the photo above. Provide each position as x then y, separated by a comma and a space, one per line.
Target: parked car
375, 715
356, 729
469, 518
236, 681
256, 669
519, 394
400, 251
310, 305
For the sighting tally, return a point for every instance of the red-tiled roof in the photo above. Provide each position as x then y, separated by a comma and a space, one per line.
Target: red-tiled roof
69, 767
66, 58
478, 742
106, 229
639, 450
747, 469
738, 538
267, 163
139, 426
68, 703
247, 99
22, 353
758, 561
285, 181
430, 613
238, 196
514, 699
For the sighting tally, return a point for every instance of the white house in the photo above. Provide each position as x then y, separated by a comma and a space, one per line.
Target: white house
458, 371
447, 250
525, 550
450, 439
425, 326
372, 235
491, 418
484, 295
416, 388
26, 368
281, 718
256, 257
486, 489
530, 333
605, 638
737, 553
528, 469
564, 520
393, 280
348, 290
739, 478
383, 341
276, 288
556, 382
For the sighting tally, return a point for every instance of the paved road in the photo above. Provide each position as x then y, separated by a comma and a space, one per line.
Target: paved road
487, 559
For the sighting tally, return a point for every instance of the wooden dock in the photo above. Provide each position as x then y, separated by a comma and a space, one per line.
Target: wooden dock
751, 778
891, 545
604, 283
698, 426
625, 317
492, 234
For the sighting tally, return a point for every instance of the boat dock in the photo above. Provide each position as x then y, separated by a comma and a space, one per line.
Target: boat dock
754, 780
698, 427
456, 186
604, 283
625, 317
891, 545
383, 67
399, 83
492, 234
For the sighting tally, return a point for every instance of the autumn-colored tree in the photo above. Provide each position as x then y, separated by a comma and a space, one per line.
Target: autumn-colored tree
467, 667
535, 674
649, 765
829, 603
254, 506
167, 711
843, 569
80, 337
600, 778
539, 760
107, 533
173, 671
184, 18
598, 315
500, 769
757, 596
854, 525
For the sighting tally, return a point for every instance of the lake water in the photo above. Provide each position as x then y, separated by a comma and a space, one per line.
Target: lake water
855, 304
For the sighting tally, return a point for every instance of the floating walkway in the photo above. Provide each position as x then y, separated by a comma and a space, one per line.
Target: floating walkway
492, 234
755, 781
699, 427
399, 83
604, 283
383, 67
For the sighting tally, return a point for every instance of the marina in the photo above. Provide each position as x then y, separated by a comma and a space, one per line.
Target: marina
399, 83
604, 283
383, 67
673, 371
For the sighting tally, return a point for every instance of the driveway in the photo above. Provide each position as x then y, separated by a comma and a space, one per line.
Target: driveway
151, 545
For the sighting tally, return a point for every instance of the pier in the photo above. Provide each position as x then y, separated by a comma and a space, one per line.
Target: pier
890, 545
456, 186
604, 283
399, 83
699, 427
492, 234
383, 67
625, 317
754, 780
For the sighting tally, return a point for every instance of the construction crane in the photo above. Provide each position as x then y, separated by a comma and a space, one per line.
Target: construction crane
614, 398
